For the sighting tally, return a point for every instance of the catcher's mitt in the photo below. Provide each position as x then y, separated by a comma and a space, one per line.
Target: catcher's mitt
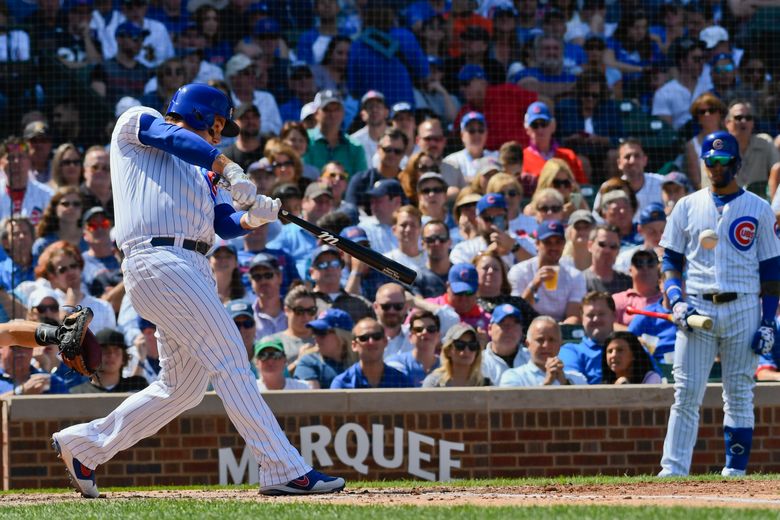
79, 348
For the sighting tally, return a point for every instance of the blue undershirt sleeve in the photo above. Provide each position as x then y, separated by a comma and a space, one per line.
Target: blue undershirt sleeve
227, 222
177, 141
769, 271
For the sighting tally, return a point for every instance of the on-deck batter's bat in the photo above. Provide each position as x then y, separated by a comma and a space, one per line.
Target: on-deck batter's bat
368, 256
696, 321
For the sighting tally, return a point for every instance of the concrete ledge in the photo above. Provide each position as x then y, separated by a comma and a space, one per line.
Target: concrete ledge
637, 397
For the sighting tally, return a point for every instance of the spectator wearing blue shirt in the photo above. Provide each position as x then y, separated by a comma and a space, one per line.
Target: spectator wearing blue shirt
598, 318
549, 76
101, 256
267, 309
384, 57
425, 337
16, 235
362, 280
332, 333
313, 42
302, 90
19, 377
370, 371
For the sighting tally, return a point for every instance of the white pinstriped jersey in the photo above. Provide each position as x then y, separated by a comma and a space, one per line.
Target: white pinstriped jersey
747, 234
155, 193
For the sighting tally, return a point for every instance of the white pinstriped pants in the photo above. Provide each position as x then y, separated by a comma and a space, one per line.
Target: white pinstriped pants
198, 341
735, 323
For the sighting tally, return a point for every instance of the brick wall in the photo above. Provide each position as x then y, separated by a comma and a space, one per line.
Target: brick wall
505, 432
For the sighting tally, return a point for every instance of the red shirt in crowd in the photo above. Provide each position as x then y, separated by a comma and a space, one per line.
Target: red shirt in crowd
504, 111
533, 162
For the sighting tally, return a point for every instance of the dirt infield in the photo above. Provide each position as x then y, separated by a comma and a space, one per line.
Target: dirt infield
725, 493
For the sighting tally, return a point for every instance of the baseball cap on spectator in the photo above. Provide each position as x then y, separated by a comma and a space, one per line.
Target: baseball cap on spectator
236, 64
485, 165
582, 215
356, 234
389, 187
490, 200
677, 178
322, 250
40, 294
473, 33
145, 324
612, 196
243, 108
224, 244
125, 104
286, 190
469, 117
91, 212
275, 344
326, 97
372, 94
267, 28
471, 198
504, 310
431, 176
36, 130
713, 35
194, 5
463, 278
550, 228
238, 308
69, 5
131, 30
264, 260
308, 110
469, 72
331, 319
456, 332
111, 337
536, 111
316, 189
401, 106
653, 212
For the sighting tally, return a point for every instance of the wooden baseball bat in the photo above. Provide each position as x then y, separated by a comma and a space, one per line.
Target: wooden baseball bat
696, 321
368, 256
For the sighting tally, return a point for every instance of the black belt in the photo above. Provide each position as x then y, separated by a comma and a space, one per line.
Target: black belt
723, 297
192, 245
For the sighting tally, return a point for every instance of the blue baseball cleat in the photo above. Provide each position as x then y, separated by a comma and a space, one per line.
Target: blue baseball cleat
311, 483
82, 478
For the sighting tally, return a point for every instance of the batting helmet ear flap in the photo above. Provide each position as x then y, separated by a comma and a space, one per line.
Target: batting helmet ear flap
198, 104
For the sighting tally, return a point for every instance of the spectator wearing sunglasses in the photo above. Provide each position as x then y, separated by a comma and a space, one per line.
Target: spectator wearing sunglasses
61, 220
424, 336
652, 223
604, 244
370, 371
60, 266
492, 226
760, 158
42, 306
102, 262
556, 174
644, 290
544, 367
300, 307
506, 349
708, 111
494, 289
507, 185
431, 140
250, 145
464, 212
335, 177
66, 167
432, 279
266, 278
552, 288
540, 126
461, 296
390, 152
242, 314
473, 135
270, 363
325, 270
461, 360
391, 308
432, 191
332, 352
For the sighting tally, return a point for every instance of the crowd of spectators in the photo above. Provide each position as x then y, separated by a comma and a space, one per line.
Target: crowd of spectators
521, 157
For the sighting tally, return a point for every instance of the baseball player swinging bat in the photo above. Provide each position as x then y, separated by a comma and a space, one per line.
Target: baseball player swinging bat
368, 256
696, 321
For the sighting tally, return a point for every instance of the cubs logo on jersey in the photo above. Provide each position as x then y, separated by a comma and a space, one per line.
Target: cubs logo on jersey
742, 232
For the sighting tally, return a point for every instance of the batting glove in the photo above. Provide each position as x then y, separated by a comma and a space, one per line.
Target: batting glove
264, 210
242, 189
764, 338
680, 314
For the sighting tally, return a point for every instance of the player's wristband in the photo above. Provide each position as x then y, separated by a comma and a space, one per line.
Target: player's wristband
769, 304
673, 290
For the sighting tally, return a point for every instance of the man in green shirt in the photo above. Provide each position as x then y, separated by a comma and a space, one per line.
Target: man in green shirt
327, 142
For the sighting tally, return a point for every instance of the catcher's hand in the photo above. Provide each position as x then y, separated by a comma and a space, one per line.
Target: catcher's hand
79, 348
680, 314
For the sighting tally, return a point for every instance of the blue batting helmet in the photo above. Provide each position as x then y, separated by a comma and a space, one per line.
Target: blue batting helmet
720, 144
198, 104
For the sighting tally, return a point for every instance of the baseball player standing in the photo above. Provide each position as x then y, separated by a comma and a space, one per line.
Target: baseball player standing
727, 239
168, 208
